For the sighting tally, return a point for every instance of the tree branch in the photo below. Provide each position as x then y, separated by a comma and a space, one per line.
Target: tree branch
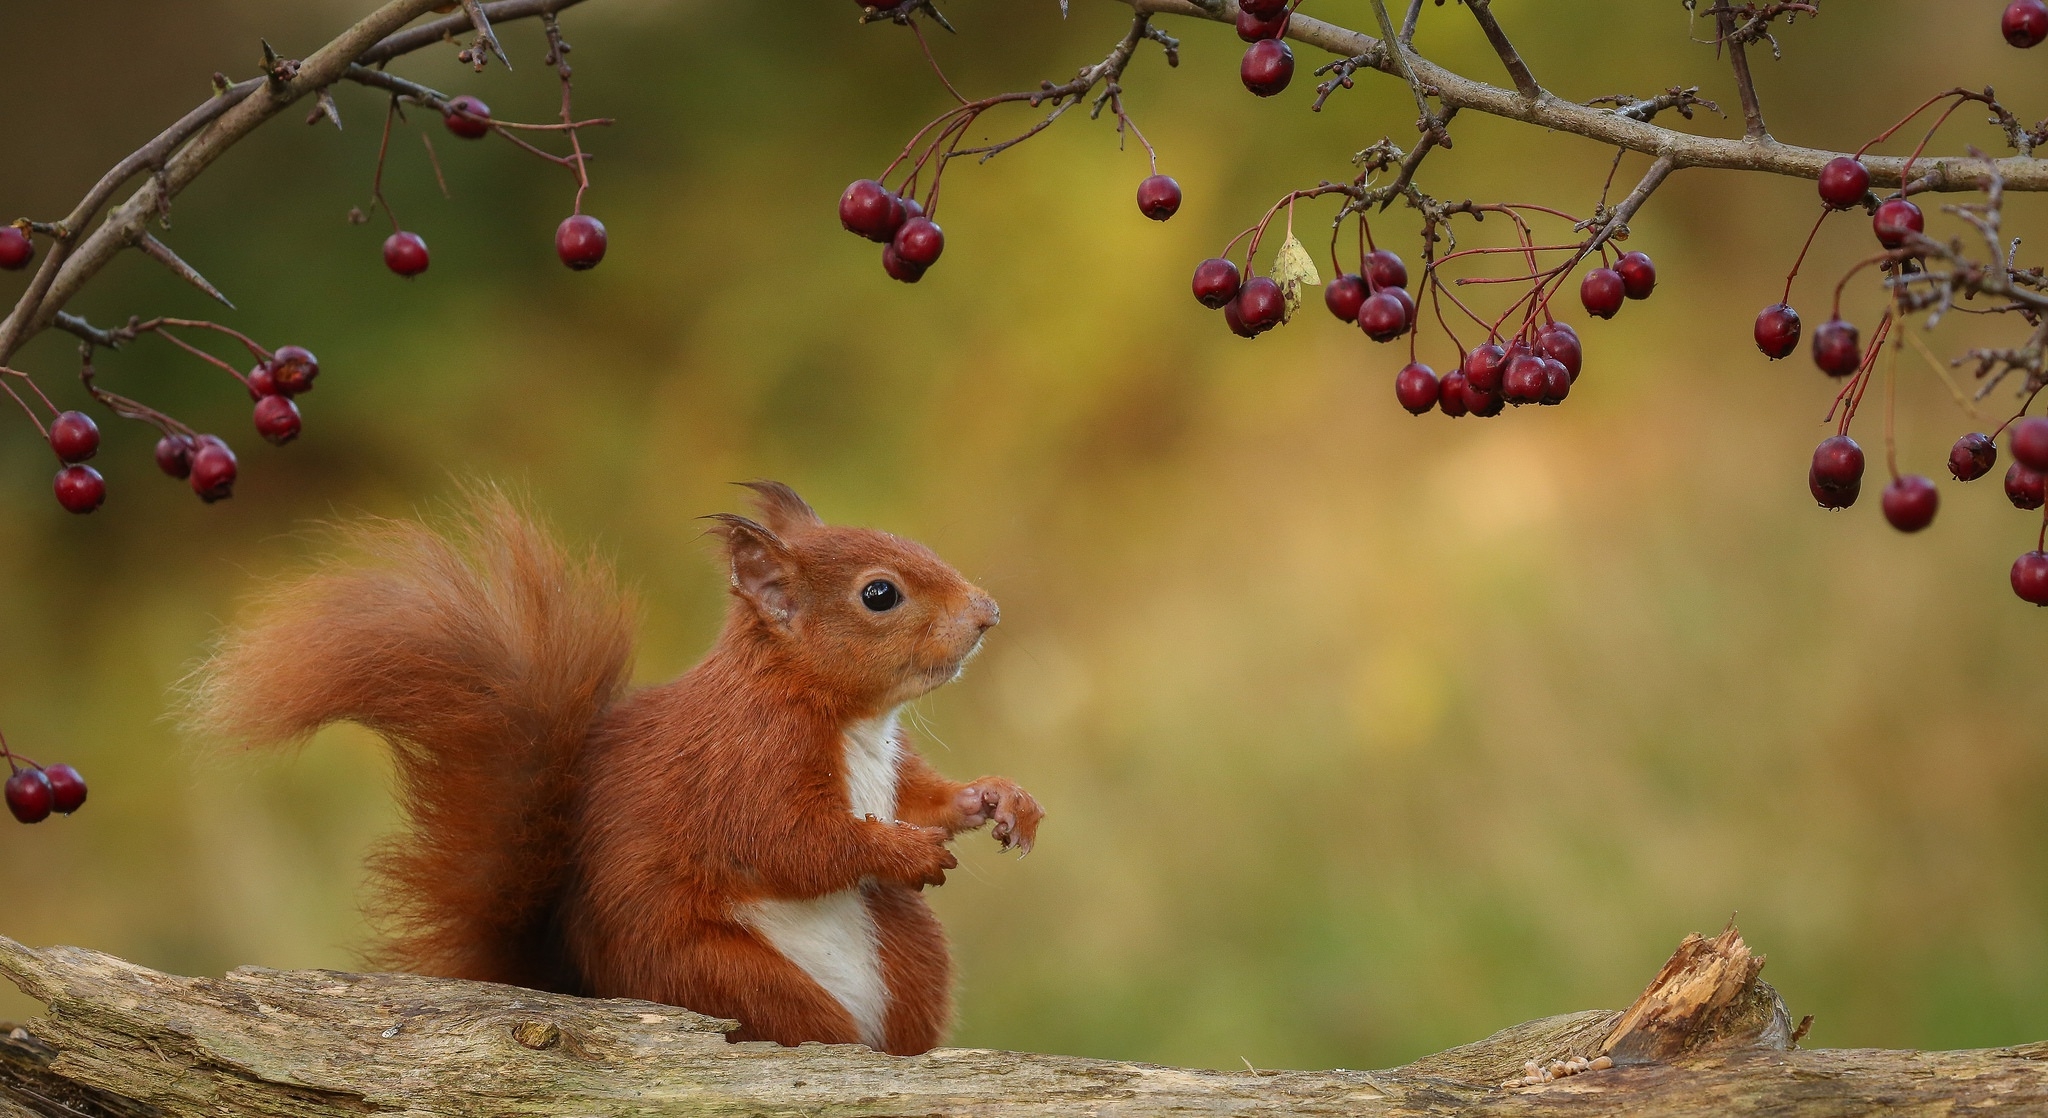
1745, 85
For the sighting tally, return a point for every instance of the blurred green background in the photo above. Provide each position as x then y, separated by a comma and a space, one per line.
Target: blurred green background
1361, 735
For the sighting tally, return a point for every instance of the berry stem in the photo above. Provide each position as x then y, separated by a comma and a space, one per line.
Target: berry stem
1800, 259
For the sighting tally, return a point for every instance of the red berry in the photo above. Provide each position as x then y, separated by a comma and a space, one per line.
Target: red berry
467, 117
80, 489
1268, 66
1829, 496
920, 242
1451, 394
1560, 343
2024, 24
1416, 387
405, 253
1777, 330
1261, 304
174, 455
1383, 269
2025, 488
899, 268
213, 469
1601, 292
869, 209
1972, 457
1843, 182
1233, 317
2029, 578
1407, 304
1910, 502
580, 242
1159, 197
29, 795
1557, 381
1344, 296
1525, 379
262, 381
1896, 221
1252, 28
16, 250
293, 369
1482, 367
1215, 282
1638, 275
2030, 443
1837, 348
1383, 317
1264, 9
1838, 468
74, 436
277, 419
1485, 405
67, 788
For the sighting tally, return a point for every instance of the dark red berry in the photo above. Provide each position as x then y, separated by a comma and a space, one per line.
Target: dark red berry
580, 242
1159, 197
1557, 381
1451, 394
405, 253
869, 209
294, 368
1233, 317
213, 469
1843, 182
1638, 275
1485, 405
2024, 24
1253, 28
468, 117
1896, 221
1910, 502
16, 250
2030, 577
67, 788
174, 455
1560, 343
29, 795
1482, 367
920, 242
1383, 317
1407, 304
906, 208
1838, 465
1525, 380
277, 419
2025, 488
1416, 387
262, 381
1601, 292
1829, 496
2030, 443
1837, 348
74, 436
1777, 330
899, 268
1268, 66
1972, 457
1261, 304
80, 489
1384, 269
1264, 9
1215, 282
1344, 296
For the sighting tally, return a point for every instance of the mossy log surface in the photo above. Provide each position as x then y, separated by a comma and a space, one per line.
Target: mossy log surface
118, 1040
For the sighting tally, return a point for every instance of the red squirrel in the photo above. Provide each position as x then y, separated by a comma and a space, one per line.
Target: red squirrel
749, 841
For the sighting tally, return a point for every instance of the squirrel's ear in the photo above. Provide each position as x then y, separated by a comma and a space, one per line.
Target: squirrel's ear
785, 512
762, 568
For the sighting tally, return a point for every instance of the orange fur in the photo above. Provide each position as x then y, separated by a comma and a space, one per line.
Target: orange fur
569, 836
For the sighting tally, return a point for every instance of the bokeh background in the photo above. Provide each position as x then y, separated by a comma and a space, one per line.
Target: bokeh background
1361, 735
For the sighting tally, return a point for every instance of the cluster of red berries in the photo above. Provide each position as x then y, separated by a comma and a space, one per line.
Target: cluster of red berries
1269, 62
34, 792
579, 240
911, 242
1632, 277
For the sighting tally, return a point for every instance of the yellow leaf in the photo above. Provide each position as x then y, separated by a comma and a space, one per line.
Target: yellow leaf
1293, 267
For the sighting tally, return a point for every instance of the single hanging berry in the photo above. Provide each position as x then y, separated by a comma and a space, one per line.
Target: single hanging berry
580, 242
74, 436
174, 455
1344, 295
468, 117
2030, 577
1482, 367
1416, 387
2024, 24
405, 253
868, 209
1843, 182
16, 250
1383, 317
1252, 28
1261, 304
277, 419
29, 795
293, 369
919, 242
1896, 222
1972, 457
1383, 269
1910, 502
2025, 488
1450, 397
1267, 67
1837, 348
1559, 342
1836, 476
2030, 443
67, 788
1777, 330
1638, 274
213, 469
80, 489
1159, 197
1215, 282
1601, 292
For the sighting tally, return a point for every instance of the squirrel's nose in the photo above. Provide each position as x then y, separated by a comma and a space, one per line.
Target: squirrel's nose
987, 614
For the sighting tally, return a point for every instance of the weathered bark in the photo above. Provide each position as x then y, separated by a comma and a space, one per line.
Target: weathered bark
121, 1040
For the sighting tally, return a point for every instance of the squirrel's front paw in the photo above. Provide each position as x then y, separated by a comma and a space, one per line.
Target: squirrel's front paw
997, 798
921, 855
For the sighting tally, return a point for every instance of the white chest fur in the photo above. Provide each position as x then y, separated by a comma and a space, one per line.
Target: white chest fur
832, 938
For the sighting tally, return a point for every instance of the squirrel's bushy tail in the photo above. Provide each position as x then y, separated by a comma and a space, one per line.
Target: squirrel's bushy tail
484, 654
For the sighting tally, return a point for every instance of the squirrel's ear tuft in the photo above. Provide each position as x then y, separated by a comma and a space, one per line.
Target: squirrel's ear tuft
762, 568
785, 512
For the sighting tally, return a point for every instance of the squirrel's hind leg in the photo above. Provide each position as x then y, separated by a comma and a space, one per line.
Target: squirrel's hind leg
916, 965
731, 972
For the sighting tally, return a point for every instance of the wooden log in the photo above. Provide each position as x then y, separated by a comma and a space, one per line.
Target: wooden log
121, 1041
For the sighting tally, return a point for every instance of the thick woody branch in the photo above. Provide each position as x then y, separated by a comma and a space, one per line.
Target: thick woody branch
1745, 85
1525, 82
1941, 173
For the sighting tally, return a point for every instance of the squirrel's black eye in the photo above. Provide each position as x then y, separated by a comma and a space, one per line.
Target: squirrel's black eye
880, 595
